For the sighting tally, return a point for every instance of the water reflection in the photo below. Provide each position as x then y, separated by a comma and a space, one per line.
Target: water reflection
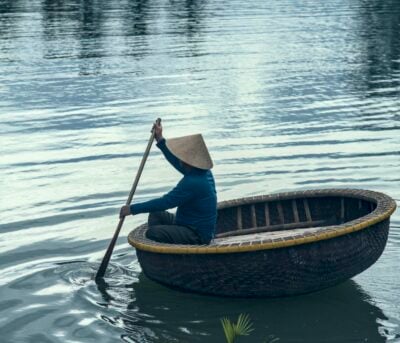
90, 38
379, 32
341, 314
188, 15
136, 17
7, 20
94, 23
288, 96
67, 22
56, 16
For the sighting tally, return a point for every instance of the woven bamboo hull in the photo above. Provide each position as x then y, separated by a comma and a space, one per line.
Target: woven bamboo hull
278, 272
280, 269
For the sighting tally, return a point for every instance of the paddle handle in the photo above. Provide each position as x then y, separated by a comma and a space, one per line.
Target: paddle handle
107, 256
141, 167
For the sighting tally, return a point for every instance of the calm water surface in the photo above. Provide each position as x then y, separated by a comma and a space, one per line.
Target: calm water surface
289, 95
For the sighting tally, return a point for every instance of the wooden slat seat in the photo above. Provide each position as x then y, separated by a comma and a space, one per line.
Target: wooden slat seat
271, 228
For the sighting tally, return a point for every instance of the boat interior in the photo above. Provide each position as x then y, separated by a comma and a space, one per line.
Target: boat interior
289, 214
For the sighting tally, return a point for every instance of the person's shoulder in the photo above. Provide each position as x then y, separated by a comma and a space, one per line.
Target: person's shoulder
202, 179
194, 178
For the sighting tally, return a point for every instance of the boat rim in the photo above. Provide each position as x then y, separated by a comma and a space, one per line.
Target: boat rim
385, 206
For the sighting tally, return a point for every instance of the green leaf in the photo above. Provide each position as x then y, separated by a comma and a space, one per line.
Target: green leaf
228, 330
243, 326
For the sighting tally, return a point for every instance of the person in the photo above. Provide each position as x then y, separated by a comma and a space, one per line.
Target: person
194, 196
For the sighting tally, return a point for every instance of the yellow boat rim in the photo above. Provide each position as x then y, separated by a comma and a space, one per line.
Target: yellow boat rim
385, 206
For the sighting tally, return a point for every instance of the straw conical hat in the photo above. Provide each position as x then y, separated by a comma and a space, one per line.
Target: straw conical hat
192, 150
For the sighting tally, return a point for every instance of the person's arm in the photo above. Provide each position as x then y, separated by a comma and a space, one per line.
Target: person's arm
176, 197
172, 159
181, 194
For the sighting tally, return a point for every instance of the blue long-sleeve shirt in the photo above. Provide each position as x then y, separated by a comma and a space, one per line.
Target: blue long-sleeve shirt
194, 196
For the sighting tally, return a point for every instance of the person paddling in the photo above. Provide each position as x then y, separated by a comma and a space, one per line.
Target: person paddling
194, 196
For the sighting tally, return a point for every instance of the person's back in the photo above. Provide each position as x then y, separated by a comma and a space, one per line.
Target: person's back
201, 211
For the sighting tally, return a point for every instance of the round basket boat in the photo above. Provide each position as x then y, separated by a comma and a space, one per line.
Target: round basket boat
276, 245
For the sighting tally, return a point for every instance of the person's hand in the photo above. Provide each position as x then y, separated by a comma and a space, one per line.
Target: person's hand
157, 127
125, 211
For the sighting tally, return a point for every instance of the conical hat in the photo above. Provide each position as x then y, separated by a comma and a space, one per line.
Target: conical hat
192, 150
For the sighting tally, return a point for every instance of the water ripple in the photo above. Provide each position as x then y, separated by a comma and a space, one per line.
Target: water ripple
288, 97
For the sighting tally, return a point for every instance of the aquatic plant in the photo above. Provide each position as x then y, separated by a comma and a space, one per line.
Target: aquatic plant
242, 327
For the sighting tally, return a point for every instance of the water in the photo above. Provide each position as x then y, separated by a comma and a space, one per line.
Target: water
289, 95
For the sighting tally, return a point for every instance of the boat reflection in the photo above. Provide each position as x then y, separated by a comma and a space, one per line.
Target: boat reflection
340, 314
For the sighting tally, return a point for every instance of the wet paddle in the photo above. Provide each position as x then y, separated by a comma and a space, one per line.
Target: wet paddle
107, 255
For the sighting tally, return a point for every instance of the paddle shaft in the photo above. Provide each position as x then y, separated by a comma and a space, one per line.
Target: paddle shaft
107, 255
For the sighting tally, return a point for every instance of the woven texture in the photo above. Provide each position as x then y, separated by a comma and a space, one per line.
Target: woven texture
279, 272
288, 268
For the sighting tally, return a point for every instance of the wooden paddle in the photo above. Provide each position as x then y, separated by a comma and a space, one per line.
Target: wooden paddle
107, 255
